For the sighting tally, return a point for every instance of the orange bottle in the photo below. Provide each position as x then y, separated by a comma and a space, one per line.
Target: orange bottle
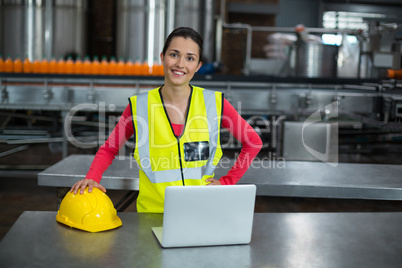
1, 64
95, 66
104, 66
154, 68
145, 68
160, 71
27, 65
53, 66
36, 66
17, 65
69, 65
112, 69
87, 65
44, 65
121, 67
8, 65
78, 66
137, 67
129, 68
61, 66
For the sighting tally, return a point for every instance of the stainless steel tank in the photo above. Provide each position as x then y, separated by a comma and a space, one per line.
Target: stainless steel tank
315, 59
140, 29
143, 25
40, 28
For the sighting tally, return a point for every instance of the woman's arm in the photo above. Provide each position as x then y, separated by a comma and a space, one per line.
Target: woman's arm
243, 132
107, 152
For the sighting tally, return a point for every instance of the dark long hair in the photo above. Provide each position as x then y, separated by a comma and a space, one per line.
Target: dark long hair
185, 32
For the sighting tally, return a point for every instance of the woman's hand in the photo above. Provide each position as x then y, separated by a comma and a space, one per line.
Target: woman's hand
82, 184
213, 182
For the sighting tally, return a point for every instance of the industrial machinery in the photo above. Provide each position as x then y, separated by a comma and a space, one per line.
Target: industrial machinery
80, 110
42, 29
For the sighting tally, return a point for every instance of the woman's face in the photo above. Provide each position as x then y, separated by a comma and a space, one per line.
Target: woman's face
181, 61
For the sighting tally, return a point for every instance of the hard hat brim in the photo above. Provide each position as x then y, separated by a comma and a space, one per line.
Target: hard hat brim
94, 228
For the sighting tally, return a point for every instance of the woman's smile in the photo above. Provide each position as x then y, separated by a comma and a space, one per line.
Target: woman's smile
178, 73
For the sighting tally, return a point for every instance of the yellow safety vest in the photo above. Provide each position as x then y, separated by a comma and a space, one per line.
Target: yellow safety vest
166, 160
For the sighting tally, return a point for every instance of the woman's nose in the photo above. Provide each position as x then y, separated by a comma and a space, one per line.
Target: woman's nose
180, 62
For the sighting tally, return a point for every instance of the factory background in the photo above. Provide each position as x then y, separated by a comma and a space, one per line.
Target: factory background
319, 80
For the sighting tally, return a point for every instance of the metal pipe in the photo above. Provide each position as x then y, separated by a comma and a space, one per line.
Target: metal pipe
15, 150
218, 40
208, 30
151, 32
170, 15
309, 30
29, 28
48, 29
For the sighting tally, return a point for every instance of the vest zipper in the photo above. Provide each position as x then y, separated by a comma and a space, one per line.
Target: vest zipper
181, 164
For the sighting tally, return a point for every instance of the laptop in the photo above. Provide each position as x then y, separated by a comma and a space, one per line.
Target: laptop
207, 216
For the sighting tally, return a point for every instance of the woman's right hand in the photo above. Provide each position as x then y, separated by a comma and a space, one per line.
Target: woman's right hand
82, 184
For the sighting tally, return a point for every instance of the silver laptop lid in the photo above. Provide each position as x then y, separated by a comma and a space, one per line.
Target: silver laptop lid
208, 215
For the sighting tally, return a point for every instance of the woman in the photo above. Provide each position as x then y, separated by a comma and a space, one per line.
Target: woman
176, 130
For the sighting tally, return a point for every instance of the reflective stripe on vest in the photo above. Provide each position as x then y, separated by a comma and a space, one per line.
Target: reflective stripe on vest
171, 175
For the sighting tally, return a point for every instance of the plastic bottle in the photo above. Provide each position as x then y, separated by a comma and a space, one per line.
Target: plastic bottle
121, 67
69, 65
137, 67
161, 71
36, 66
87, 65
1, 64
78, 66
61, 65
104, 66
129, 68
17, 66
145, 68
27, 65
8, 65
95, 66
112, 68
53, 65
44, 65
154, 68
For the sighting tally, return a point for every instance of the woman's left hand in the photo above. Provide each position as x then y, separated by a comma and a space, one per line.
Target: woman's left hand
213, 182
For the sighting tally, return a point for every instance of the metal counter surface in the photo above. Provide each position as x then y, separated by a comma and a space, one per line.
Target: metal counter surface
121, 175
272, 178
278, 240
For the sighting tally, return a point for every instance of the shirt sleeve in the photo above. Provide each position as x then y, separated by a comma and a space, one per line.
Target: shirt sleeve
250, 140
108, 151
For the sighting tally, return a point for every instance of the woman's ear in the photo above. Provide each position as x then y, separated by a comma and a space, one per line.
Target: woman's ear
161, 57
199, 66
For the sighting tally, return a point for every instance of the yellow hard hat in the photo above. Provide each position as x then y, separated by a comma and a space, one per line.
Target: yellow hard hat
92, 212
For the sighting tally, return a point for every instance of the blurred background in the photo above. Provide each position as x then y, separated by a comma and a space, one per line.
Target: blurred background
278, 62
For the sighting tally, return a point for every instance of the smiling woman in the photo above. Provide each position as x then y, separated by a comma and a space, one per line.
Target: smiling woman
178, 125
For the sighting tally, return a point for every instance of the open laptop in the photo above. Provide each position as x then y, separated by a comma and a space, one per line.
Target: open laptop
207, 216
